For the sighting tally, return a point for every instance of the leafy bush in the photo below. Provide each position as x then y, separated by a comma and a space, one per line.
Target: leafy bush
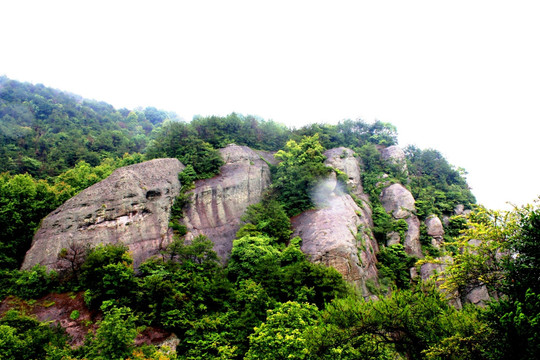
269, 218
394, 263
22, 337
300, 168
107, 274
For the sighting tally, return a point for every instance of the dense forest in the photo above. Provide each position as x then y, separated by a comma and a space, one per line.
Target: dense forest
268, 301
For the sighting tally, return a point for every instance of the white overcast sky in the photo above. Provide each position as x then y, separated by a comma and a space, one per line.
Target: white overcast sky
462, 77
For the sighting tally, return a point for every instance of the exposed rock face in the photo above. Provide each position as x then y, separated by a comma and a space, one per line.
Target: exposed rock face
343, 159
336, 236
338, 232
396, 156
131, 206
434, 228
399, 202
219, 203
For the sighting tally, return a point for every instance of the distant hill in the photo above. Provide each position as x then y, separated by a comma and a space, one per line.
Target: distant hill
44, 131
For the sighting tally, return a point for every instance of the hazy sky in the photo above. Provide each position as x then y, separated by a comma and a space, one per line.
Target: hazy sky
462, 77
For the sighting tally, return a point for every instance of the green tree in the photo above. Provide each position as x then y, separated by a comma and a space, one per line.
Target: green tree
253, 257
24, 201
23, 337
395, 264
115, 336
179, 140
107, 274
269, 218
411, 323
281, 336
301, 166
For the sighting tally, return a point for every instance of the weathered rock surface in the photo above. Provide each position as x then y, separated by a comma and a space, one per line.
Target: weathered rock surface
132, 206
343, 159
396, 156
434, 228
399, 202
219, 203
460, 210
338, 235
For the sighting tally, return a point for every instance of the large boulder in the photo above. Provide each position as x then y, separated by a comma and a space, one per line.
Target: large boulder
434, 228
217, 204
338, 235
131, 206
399, 202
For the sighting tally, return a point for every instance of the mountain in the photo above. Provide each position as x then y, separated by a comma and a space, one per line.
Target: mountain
246, 239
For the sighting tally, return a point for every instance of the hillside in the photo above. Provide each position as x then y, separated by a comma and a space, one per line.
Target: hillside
247, 239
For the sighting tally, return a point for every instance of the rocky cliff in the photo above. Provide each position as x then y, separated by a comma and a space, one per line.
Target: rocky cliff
399, 202
131, 206
218, 204
337, 233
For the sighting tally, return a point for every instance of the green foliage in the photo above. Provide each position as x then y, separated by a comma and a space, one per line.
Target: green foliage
253, 257
300, 168
307, 282
516, 318
22, 337
28, 284
180, 140
181, 286
268, 217
412, 323
436, 185
84, 175
394, 264
115, 336
281, 336
401, 227
351, 133
382, 223
107, 274
24, 201
43, 131
478, 261
74, 315
237, 129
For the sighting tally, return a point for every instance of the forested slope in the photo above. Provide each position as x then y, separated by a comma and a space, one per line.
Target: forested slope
268, 301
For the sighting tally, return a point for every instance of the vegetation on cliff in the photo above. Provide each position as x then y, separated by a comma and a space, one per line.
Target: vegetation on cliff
268, 301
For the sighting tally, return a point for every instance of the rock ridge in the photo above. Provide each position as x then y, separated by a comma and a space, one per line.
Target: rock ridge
131, 206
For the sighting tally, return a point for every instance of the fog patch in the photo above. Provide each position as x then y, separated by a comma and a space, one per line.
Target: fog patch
326, 192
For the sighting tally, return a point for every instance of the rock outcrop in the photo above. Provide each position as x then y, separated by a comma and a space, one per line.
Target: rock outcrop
399, 202
337, 236
396, 156
131, 206
343, 159
434, 228
338, 232
218, 203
